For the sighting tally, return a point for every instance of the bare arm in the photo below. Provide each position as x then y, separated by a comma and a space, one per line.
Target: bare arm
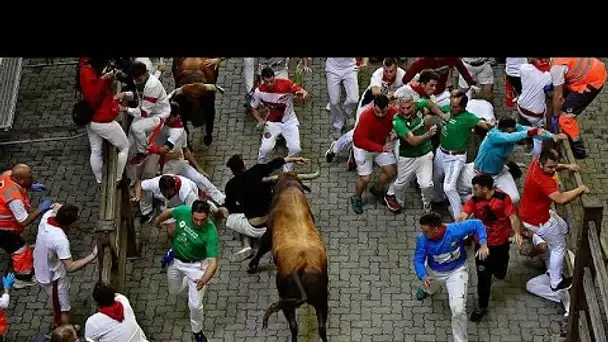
71, 265
433, 108
209, 272
164, 216
515, 224
568, 196
31, 217
558, 99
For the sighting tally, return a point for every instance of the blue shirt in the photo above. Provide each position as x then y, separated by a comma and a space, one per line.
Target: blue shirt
448, 253
498, 145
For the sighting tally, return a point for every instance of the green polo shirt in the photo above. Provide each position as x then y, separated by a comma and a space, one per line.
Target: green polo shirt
455, 133
415, 124
191, 242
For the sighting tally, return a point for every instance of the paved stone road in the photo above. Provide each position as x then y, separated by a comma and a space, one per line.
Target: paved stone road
372, 280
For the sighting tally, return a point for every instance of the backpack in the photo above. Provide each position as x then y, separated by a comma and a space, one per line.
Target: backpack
82, 112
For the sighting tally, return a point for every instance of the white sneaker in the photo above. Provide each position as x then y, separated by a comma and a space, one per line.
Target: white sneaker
328, 107
241, 255
21, 284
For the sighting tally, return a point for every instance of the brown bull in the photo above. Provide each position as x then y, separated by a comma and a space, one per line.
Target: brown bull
298, 252
195, 82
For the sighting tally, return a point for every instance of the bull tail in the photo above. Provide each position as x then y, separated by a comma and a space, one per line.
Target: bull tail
283, 302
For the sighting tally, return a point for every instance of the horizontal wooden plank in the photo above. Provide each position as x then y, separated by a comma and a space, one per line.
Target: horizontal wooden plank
595, 315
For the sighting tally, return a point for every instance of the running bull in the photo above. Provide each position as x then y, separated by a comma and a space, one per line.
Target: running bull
195, 80
298, 252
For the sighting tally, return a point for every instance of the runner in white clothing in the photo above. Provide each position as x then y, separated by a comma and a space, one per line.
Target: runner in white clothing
512, 71
153, 107
277, 95
480, 69
532, 102
172, 190
386, 81
114, 321
341, 71
53, 258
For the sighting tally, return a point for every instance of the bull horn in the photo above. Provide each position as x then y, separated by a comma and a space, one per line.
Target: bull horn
309, 176
176, 91
270, 179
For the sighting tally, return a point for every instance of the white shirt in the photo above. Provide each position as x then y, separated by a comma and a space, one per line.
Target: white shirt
481, 108
278, 100
101, 328
533, 81
153, 101
513, 64
558, 74
470, 60
18, 209
337, 65
378, 80
188, 193
52, 246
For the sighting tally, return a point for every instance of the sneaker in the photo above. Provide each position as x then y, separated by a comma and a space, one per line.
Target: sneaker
578, 149
565, 284
21, 284
241, 255
328, 107
478, 314
421, 294
199, 337
351, 164
138, 159
330, 154
391, 203
357, 204
247, 103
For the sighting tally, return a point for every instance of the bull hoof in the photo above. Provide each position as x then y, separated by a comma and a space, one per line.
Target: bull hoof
208, 139
253, 268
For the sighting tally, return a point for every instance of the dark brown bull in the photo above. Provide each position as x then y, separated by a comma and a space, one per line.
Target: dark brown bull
298, 252
196, 81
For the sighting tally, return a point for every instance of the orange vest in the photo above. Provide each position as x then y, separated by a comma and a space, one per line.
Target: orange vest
582, 71
9, 191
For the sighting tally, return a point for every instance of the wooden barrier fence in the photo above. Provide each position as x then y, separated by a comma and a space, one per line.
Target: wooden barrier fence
584, 216
115, 230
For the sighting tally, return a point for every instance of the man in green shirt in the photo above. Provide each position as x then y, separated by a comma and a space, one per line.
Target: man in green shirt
452, 152
414, 131
194, 252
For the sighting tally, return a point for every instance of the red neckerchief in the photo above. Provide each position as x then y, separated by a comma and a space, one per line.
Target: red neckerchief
417, 87
544, 67
443, 229
54, 223
115, 311
176, 124
178, 184
389, 81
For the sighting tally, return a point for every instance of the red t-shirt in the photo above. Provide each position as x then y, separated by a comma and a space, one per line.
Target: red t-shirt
535, 201
371, 132
494, 213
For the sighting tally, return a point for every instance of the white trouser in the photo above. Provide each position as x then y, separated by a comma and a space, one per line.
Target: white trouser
139, 131
456, 283
351, 86
182, 168
442, 99
289, 130
63, 292
446, 172
249, 71
482, 74
535, 122
115, 135
181, 275
422, 168
240, 224
554, 233
344, 143
503, 181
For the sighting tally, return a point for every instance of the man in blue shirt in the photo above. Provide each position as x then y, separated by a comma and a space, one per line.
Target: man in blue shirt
440, 257
494, 153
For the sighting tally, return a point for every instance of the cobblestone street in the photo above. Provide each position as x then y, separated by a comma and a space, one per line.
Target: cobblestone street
372, 281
